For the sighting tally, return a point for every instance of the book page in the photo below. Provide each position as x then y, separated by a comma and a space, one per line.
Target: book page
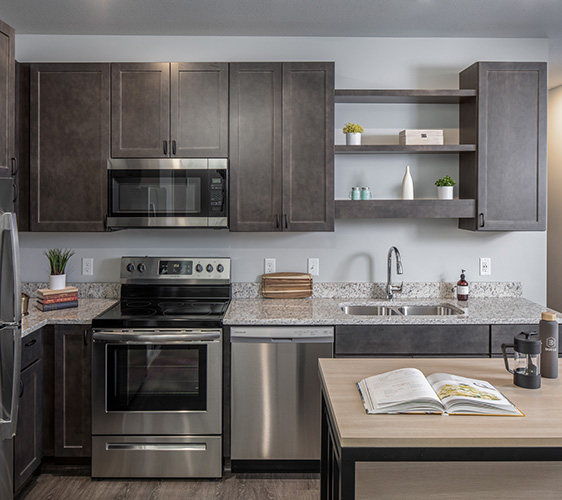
468, 394
406, 384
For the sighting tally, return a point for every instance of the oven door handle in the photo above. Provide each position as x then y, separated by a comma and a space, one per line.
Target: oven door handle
162, 338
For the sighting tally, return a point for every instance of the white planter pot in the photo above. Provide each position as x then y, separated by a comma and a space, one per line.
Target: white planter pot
57, 281
353, 139
445, 192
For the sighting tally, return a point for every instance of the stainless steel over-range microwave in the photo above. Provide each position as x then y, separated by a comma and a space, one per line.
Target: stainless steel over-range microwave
167, 192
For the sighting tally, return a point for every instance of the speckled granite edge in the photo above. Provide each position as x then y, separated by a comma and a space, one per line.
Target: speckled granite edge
85, 290
377, 290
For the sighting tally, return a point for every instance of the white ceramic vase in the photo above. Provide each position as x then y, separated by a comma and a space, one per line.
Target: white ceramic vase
57, 281
445, 192
353, 139
407, 185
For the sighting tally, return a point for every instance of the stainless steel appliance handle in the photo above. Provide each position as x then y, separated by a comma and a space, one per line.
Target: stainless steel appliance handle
283, 340
156, 447
155, 338
14, 317
16, 266
8, 427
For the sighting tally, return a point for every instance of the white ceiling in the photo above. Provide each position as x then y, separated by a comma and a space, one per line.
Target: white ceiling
377, 18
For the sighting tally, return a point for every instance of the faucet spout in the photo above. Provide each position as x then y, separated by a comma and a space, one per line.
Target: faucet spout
390, 288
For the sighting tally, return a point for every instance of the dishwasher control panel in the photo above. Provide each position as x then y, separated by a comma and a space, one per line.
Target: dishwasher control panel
295, 333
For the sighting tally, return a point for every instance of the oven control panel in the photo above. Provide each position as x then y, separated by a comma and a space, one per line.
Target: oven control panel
156, 269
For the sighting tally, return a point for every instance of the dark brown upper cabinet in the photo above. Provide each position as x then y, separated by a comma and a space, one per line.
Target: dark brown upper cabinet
69, 146
282, 146
162, 110
7, 101
507, 122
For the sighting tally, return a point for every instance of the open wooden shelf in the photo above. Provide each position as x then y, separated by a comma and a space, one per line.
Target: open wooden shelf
411, 96
412, 209
396, 148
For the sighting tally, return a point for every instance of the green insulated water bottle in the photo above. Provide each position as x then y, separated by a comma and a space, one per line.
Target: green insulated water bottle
548, 333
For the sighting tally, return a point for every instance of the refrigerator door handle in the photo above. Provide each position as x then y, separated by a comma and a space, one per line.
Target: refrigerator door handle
12, 315
8, 426
14, 238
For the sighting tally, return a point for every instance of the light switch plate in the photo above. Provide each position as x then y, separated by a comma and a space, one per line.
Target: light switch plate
313, 266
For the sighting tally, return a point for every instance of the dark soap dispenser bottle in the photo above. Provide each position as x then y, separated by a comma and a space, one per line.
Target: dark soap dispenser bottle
462, 287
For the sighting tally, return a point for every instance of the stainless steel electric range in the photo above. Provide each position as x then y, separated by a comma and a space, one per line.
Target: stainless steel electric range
157, 370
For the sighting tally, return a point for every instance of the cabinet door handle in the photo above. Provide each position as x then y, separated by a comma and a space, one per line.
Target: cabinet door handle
31, 342
173, 147
286, 222
277, 220
165, 147
15, 188
14, 166
22, 386
85, 334
481, 220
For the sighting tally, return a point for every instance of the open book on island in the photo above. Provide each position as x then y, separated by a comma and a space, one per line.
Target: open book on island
407, 390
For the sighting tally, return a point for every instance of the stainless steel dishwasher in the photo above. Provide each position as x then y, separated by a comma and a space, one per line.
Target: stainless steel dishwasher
275, 400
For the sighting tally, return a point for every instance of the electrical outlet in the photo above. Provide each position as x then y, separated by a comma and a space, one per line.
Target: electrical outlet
313, 266
485, 266
269, 266
87, 266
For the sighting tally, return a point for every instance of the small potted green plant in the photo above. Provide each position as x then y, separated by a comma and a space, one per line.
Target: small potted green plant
353, 133
58, 259
445, 188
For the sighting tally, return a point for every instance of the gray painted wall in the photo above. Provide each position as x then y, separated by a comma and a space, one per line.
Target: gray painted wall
432, 250
554, 285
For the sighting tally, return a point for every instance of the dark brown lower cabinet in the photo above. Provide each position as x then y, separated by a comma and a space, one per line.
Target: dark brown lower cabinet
72, 391
412, 340
504, 334
28, 443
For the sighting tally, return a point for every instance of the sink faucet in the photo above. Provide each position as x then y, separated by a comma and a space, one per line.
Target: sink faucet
390, 288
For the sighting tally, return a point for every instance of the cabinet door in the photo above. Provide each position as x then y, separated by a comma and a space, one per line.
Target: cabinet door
7, 101
308, 146
140, 110
412, 340
69, 144
28, 443
508, 171
199, 110
255, 147
504, 334
72, 380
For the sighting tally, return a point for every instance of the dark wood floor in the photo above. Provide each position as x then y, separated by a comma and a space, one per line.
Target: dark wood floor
59, 486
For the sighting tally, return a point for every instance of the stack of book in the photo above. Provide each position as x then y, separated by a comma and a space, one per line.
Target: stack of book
51, 300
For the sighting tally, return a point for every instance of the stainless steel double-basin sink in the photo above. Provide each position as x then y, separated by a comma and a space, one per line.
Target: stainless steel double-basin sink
440, 309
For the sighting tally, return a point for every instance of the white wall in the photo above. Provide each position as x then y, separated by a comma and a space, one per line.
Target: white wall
554, 198
432, 250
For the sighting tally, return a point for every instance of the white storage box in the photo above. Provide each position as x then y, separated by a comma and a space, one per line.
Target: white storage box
420, 137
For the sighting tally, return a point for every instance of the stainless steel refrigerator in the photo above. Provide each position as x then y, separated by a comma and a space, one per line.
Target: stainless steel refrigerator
10, 335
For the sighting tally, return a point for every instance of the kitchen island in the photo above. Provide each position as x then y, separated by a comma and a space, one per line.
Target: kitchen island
437, 456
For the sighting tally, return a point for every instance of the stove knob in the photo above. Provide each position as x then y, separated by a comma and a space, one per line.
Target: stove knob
141, 268
220, 268
209, 268
199, 268
130, 267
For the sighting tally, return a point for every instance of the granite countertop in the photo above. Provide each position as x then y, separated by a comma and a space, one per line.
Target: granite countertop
320, 311
83, 314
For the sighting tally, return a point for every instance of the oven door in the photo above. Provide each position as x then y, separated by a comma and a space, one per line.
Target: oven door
157, 382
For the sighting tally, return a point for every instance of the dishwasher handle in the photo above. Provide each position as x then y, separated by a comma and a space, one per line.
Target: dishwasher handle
282, 340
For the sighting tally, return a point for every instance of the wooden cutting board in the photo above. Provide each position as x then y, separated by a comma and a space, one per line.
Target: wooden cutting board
286, 285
